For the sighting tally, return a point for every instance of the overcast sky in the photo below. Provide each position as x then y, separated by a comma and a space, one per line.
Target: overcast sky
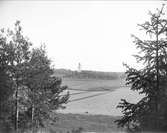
95, 33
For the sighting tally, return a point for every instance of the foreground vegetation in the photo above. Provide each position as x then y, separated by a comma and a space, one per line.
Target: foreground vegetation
88, 123
29, 93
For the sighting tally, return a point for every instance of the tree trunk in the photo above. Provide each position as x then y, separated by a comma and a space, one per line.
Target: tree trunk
32, 118
16, 111
32, 111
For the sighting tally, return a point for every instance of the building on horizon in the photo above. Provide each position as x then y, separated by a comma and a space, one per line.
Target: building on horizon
79, 67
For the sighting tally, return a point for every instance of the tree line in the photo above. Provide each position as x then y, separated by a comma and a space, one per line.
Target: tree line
86, 74
29, 93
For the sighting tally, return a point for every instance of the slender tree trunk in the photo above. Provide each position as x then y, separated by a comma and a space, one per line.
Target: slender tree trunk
32, 111
16, 111
32, 118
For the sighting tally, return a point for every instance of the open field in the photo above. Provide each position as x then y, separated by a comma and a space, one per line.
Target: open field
92, 104
96, 95
99, 102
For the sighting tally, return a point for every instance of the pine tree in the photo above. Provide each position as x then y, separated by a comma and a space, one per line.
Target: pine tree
150, 113
14, 52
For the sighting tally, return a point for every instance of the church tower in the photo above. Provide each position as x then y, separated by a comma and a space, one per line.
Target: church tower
79, 67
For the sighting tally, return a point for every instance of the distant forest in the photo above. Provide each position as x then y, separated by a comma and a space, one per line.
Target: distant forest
86, 74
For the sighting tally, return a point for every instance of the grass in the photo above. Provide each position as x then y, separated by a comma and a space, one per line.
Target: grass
89, 123
93, 84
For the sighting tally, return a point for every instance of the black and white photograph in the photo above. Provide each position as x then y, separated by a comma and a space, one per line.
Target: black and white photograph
83, 66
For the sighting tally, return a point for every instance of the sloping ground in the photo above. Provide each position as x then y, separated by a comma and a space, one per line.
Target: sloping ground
89, 123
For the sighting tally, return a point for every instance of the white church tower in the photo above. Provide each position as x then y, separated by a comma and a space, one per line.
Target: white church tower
79, 67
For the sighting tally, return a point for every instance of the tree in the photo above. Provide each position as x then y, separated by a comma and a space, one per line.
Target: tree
44, 90
150, 113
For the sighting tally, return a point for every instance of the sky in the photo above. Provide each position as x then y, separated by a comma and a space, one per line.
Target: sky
96, 34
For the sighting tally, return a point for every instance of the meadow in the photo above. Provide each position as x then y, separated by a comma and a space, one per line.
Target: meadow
92, 103
96, 96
